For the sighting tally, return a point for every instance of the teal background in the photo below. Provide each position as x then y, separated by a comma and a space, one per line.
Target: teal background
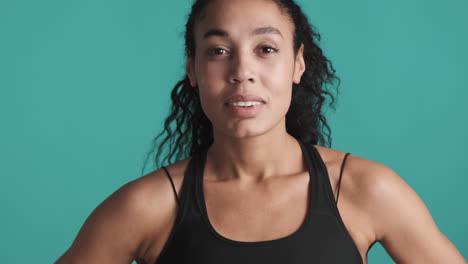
84, 87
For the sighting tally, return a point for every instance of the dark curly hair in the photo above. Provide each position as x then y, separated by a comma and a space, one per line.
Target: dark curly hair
188, 130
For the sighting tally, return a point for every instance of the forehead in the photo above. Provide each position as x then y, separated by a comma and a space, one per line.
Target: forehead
242, 17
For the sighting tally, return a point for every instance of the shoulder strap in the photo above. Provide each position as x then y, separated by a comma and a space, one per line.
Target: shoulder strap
341, 173
172, 183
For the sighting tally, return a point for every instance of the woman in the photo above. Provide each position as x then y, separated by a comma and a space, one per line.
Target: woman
257, 188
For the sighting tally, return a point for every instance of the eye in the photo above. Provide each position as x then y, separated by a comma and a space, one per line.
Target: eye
218, 51
268, 49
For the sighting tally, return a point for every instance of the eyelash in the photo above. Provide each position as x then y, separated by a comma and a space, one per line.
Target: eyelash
212, 51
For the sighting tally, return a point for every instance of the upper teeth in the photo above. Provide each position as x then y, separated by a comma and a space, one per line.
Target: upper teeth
250, 103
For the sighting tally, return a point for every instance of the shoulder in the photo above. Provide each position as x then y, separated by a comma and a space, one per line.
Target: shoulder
155, 187
133, 219
149, 192
364, 177
152, 205
371, 188
392, 212
354, 164
360, 176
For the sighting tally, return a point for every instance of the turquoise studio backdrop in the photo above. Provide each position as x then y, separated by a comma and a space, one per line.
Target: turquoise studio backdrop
85, 86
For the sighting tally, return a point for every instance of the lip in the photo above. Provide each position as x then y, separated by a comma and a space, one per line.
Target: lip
244, 98
244, 112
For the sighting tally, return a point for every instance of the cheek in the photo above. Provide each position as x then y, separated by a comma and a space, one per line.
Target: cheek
210, 89
210, 78
279, 79
210, 81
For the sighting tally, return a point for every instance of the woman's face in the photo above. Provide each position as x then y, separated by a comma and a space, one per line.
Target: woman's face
244, 55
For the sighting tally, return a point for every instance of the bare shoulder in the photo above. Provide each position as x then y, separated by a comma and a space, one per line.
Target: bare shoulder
160, 209
393, 212
368, 185
358, 182
131, 222
362, 178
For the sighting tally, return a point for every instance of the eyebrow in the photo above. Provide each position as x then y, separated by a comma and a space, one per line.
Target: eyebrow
258, 31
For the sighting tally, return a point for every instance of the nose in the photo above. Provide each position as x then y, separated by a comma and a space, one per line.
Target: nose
241, 68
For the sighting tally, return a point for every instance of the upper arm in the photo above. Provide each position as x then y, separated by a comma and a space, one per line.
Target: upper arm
402, 222
117, 231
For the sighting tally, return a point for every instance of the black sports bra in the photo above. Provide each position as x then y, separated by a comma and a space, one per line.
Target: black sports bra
322, 237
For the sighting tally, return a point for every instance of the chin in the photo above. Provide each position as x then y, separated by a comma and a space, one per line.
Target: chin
242, 129
245, 132
245, 135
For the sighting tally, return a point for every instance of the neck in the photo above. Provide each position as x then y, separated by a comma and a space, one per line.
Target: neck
254, 159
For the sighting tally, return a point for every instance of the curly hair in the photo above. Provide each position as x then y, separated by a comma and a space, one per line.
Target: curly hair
305, 119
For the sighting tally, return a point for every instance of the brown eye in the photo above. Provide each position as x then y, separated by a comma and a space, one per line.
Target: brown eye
218, 51
268, 49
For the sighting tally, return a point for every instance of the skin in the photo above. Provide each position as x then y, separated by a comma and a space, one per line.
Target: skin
259, 161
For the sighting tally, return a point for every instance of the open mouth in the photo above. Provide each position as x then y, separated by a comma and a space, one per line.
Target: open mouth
245, 103
244, 109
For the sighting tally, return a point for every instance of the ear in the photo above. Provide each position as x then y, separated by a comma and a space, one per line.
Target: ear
190, 68
299, 66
